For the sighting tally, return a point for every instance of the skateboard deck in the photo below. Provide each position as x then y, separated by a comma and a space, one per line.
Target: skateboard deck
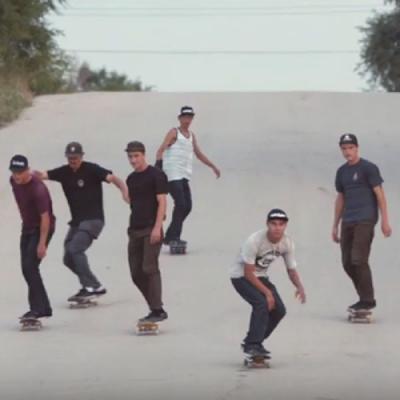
177, 248
256, 362
30, 324
77, 304
147, 328
360, 316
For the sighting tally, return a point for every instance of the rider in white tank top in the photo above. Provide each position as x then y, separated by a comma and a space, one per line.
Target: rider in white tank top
178, 158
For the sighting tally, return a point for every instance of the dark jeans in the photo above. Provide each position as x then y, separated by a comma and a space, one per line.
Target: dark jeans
37, 295
180, 192
355, 241
262, 321
144, 267
78, 240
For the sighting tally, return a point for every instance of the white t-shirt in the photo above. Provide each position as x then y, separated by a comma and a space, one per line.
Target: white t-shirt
259, 251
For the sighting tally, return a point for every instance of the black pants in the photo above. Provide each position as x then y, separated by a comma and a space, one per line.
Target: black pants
143, 262
180, 192
262, 321
37, 295
356, 240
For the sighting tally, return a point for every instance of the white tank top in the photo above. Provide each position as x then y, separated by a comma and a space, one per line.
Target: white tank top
178, 158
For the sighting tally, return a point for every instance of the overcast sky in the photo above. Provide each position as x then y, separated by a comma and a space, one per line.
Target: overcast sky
221, 45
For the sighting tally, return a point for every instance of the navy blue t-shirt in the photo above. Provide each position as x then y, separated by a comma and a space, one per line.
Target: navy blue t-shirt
357, 182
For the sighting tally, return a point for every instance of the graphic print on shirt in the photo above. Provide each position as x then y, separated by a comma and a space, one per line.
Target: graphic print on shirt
264, 261
81, 183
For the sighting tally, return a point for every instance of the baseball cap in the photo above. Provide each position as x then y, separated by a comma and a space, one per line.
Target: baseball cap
186, 110
135, 146
18, 163
348, 138
277, 213
74, 149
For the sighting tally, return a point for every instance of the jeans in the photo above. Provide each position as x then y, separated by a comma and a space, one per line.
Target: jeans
37, 295
262, 321
180, 192
355, 241
78, 240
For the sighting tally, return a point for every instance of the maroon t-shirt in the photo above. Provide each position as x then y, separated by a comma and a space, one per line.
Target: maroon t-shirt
33, 200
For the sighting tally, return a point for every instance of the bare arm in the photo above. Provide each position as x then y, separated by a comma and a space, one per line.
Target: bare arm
382, 204
120, 184
168, 140
161, 212
202, 157
339, 207
249, 274
44, 233
41, 175
295, 279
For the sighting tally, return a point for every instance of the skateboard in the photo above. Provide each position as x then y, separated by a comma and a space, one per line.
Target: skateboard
177, 247
77, 304
360, 316
147, 328
30, 324
259, 361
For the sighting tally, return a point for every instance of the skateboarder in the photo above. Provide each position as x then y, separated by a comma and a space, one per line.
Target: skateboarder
38, 224
360, 194
249, 277
175, 157
82, 185
148, 189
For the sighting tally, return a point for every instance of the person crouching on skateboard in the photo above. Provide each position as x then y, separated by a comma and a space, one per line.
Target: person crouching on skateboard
148, 189
249, 277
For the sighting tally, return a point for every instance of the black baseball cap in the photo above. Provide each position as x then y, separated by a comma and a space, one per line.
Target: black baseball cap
74, 149
277, 213
187, 110
135, 146
19, 163
348, 138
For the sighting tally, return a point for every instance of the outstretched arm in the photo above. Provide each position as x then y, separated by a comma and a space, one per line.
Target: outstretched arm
295, 279
41, 175
202, 157
120, 184
382, 204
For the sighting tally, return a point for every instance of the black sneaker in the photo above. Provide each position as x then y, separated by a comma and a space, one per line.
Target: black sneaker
353, 306
83, 294
261, 348
30, 315
252, 350
100, 291
367, 305
155, 316
46, 314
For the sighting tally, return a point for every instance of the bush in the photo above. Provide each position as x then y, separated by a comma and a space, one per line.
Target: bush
12, 101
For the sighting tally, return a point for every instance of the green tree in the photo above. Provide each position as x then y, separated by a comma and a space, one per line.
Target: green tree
380, 54
103, 80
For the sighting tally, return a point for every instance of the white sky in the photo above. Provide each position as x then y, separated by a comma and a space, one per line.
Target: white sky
263, 26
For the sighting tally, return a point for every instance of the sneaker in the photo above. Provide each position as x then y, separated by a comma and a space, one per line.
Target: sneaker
155, 316
166, 241
46, 314
252, 350
261, 348
353, 306
30, 315
83, 294
100, 291
367, 305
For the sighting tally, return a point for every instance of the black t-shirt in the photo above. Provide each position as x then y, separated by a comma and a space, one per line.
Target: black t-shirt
357, 182
143, 190
83, 190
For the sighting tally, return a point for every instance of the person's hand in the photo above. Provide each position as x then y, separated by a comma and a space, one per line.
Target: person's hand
41, 251
155, 236
301, 295
335, 234
270, 301
386, 229
217, 172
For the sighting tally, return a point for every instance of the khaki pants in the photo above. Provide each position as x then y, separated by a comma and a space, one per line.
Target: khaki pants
355, 242
144, 267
